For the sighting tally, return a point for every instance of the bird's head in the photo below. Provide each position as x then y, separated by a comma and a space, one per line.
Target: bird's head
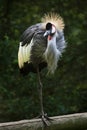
50, 31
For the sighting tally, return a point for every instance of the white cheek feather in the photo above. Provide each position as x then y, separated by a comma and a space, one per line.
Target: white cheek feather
24, 53
52, 55
53, 29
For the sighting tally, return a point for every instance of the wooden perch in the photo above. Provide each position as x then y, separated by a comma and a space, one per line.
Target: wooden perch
66, 122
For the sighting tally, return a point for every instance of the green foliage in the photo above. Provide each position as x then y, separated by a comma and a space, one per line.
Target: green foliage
66, 91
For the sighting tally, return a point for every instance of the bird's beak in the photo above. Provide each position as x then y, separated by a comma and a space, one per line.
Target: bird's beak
47, 33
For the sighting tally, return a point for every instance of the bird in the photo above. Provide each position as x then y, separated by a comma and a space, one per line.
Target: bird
41, 46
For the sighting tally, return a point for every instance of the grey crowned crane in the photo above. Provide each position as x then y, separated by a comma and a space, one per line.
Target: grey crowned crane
41, 45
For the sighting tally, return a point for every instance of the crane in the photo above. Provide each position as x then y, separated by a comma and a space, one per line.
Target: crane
41, 45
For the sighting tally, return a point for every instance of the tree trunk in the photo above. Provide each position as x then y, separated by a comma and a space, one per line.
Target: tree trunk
66, 122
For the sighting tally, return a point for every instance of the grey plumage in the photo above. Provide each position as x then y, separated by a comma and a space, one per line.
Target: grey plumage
29, 33
35, 33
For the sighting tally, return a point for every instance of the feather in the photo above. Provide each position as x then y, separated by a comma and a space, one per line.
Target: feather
24, 53
35, 49
55, 19
52, 55
20, 56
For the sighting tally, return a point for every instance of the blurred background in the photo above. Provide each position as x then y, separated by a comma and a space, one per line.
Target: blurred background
66, 91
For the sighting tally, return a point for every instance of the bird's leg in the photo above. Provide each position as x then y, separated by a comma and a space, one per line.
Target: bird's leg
40, 91
44, 116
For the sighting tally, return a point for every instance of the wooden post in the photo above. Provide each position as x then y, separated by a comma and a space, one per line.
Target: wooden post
66, 122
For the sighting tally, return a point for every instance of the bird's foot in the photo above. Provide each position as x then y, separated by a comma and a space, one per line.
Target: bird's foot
46, 120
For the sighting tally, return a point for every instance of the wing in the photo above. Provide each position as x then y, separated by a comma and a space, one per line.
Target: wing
29, 38
26, 44
60, 40
28, 33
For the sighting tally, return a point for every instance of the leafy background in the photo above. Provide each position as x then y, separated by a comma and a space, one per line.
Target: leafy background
66, 91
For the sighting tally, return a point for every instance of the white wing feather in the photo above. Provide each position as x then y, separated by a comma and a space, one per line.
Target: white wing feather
20, 56
24, 54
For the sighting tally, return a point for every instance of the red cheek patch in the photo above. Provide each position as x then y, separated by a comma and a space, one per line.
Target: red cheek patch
49, 37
